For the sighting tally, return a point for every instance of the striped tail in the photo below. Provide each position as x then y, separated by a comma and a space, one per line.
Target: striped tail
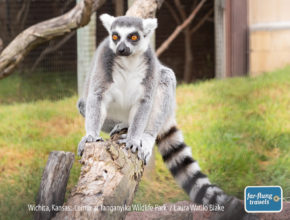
178, 158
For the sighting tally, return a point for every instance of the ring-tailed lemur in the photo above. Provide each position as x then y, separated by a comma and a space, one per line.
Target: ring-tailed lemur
129, 88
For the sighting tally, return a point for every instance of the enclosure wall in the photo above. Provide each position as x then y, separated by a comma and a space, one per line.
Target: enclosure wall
269, 35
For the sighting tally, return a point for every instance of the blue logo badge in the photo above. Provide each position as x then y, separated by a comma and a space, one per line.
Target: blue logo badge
263, 199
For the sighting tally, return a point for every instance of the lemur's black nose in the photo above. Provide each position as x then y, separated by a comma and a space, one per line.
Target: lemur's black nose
123, 50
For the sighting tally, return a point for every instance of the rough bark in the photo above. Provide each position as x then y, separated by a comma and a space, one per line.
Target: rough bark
53, 182
15, 52
119, 7
144, 8
109, 178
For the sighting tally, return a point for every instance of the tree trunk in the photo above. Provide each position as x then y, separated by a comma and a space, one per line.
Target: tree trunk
119, 7
109, 178
53, 182
144, 8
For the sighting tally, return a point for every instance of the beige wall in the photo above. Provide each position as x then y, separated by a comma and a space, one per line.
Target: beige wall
263, 11
270, 42
270, 50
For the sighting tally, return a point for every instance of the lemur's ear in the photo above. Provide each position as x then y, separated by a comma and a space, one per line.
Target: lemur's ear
149, 25
107, 21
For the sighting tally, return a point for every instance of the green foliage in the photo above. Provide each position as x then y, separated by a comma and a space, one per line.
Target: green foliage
239, 131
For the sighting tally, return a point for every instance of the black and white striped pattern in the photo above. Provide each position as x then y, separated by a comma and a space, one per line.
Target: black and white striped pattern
178, 158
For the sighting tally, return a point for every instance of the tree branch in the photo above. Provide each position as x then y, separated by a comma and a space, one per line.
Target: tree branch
144, 8
97, 4
201, 22
180, 9
66, 5
52, 48
23, 9
172, 12
179, 28
54, 44
15, 52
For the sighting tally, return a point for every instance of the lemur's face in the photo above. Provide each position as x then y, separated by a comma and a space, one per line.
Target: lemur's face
128, 35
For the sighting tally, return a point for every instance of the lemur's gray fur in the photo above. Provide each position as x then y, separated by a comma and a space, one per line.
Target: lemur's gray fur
129, 88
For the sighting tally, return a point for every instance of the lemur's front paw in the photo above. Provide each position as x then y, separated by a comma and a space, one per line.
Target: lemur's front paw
145, 154
142, 146
87, 139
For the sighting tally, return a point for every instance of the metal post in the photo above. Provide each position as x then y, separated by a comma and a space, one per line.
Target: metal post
220, 36
86, 45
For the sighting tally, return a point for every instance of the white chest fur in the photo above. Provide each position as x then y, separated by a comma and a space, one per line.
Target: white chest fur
126, 89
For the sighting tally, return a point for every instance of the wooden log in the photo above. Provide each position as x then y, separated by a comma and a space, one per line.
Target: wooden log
109, 178
53, 183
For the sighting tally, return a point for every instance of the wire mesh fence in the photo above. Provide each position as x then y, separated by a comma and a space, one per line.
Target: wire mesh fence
50, 70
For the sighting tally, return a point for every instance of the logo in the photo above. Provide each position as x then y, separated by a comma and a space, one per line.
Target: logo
263, 199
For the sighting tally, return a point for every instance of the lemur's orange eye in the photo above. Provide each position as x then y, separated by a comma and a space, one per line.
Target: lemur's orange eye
115, 37
134, 37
